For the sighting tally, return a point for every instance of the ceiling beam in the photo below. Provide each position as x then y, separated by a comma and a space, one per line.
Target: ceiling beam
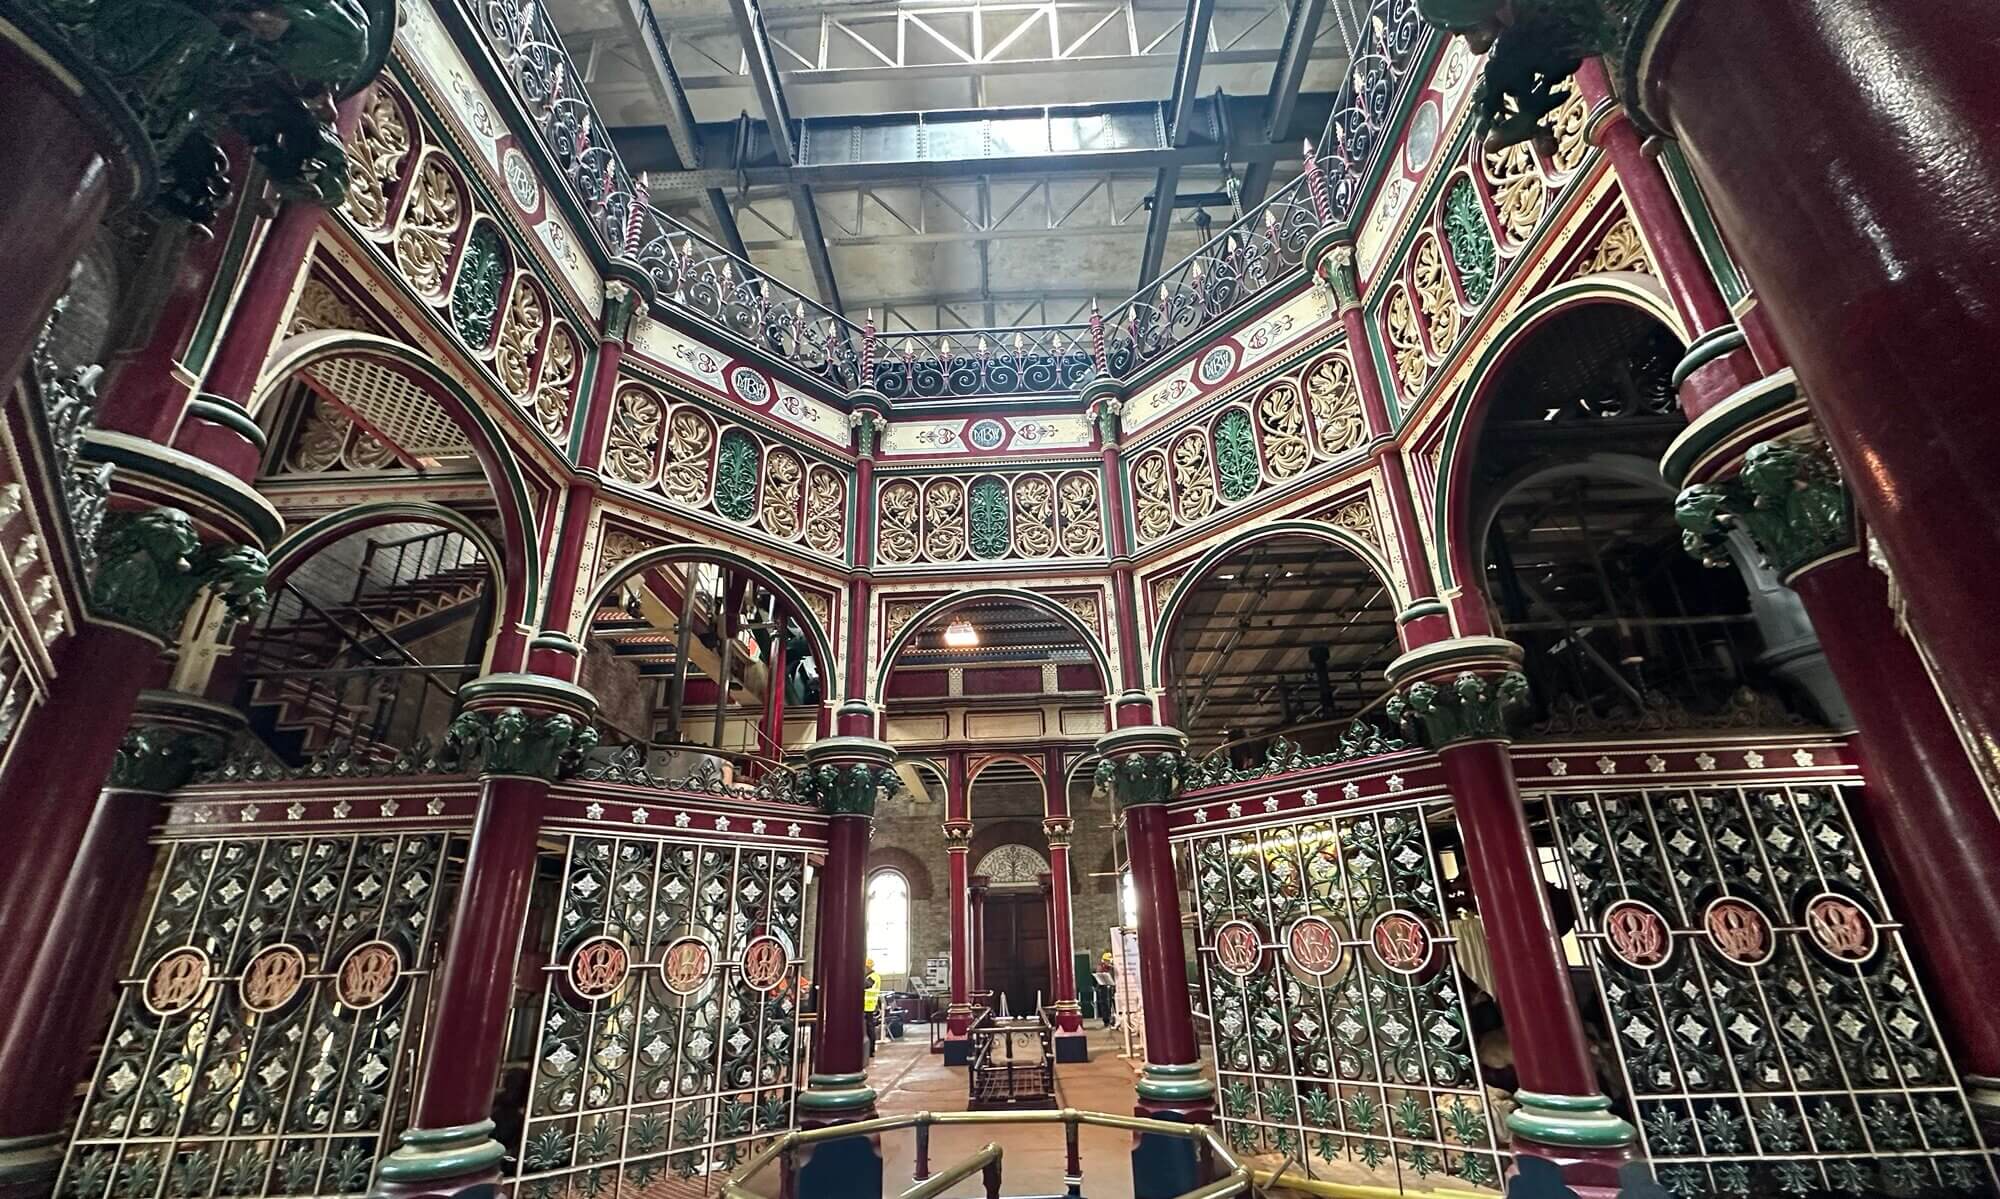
967, 143
1180, 112
1301, 30
778, 125
642, 29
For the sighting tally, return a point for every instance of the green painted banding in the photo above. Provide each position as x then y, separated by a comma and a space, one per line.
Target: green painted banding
30, 1159
1575, 1121
561, 643
528, 687
1175, 1088
1173, 1069
1099, 387
429, 1154
836, 1082
870, 398
218, 410
843, 749
1421, 609
1459, 651
1725, 420
1707, 348
836, 1101
152, 460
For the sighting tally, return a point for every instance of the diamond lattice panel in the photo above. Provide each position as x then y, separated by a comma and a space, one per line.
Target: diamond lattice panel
393, 404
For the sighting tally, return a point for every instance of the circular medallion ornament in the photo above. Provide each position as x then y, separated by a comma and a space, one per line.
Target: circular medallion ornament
1637, 934
521, 181
1421, 141
1312, 946
1841, 928
688, 965
750, 387
176, 981
1401, 942
1216, 364
272, 977
598, 967
367, 974
1238, 947
765, 961
1739, 931
986, 434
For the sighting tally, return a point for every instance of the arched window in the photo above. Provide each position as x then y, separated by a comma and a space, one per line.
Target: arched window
889, 922
1128, 899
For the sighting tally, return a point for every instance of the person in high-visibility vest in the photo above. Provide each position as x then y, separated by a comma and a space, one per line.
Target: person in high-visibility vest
871, 1000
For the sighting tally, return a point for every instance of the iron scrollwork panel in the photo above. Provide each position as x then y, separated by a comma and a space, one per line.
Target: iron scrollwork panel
268, 1030
668, 1034
1772, 1036
1341, 1025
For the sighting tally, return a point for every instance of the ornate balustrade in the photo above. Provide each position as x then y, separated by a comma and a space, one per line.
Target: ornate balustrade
706, 281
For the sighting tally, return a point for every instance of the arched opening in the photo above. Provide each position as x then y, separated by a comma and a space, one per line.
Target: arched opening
888, 922
705, 668
1571, 531
1280, 637
1009, 850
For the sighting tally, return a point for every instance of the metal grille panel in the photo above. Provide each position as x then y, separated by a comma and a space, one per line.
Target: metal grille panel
392, 403
266, 1036
668, 1036
1341, 1028
1772, 1036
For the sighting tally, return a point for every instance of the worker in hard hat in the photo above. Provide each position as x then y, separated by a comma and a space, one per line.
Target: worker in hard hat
871, 1001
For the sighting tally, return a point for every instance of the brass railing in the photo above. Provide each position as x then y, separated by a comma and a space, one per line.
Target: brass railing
1230, 1177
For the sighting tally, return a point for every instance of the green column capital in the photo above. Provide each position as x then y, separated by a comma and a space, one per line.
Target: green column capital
151, 564
1788, 496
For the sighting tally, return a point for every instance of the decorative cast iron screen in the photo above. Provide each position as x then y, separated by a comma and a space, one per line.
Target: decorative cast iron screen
271, 1021
1772, 1036
1341, 1030
669, 1031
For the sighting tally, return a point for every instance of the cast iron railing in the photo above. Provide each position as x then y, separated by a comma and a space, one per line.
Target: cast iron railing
695, 275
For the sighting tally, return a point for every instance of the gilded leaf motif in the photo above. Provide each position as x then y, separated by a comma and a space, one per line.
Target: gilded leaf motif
896, 539
684, 477
944, 520
1082, 526
635, 436
1412, 368
431, 216
1358, 518
514, 357
1335, 400
1034, 516
1155, 501
1620, 250
1569, 125
558, 377
1519, 195
320, 440
1435, 298
1194, 482
826, 511
1281, 419
784, 486
375, 153
320, 307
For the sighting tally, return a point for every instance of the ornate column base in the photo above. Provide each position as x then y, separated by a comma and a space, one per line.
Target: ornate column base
1576, 1132
1166, 1166
28, 1165
1070, 1042
460, 1160
849, 1168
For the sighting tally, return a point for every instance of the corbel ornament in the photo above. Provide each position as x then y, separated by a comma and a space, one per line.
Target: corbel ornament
622, 305
1789, 498
174, 75
1449, 692
845, 776
867, 426
151, 564
1333, 267
1057, 832
1146, 764
1531, 47
173, 738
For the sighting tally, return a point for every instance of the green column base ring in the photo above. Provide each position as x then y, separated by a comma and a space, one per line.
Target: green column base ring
430, 1154
1180, 1082
1568, 1121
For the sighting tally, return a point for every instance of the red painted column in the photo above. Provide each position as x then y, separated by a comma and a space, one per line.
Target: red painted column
845, 774
66, 166
771, 726
1561, 1113
1929, 817
1103, 399
1057, 827
1865, 220
958, 854
449, 1147
975, 897
856, 717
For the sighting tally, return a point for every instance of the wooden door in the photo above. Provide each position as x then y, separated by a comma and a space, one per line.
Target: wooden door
1016, 943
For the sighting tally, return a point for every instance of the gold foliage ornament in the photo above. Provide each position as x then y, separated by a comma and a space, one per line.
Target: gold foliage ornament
784, 488
1194, 481
635, 436
1155, 501
375, 153
1082, 529
1519, 195
826, 511
514, 355
558, 375
1406, 342
1034, 517
431, 216
684, 476
1621, 250
944, 520
1335, 400
1568, 124
896, 539
1281, 426
1436, 299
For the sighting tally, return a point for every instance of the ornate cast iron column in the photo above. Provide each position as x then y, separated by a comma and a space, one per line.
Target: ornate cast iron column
1864, 220
958, 852
95, 122
975, 901
1767, 473
1458, 694
845, 775
1071, 1045
68, 968
1103, 399
527, 730
868, 419
1142, 768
